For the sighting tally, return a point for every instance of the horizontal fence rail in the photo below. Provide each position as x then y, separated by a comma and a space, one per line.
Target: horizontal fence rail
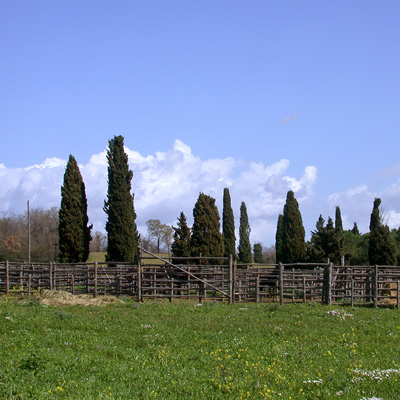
205, 278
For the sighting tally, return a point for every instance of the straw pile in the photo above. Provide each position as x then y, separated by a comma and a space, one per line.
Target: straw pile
62, 298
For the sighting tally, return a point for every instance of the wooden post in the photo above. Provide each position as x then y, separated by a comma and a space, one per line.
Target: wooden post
29, 284
352, 292
328, 284
54, 274
398, 295
376, 286
281, 283
72, 284
139, 275
257, 288
7, 277
304, 290
50, 276
95, 279
171, 294
230, 279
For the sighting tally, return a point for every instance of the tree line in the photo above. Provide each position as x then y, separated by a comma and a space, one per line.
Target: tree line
66, 234
330, 242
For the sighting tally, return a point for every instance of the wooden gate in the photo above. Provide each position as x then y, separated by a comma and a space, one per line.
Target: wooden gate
198, 278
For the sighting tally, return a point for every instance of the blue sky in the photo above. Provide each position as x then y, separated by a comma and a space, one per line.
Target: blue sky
273, 95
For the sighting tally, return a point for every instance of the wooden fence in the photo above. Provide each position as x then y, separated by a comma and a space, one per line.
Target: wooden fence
205, 278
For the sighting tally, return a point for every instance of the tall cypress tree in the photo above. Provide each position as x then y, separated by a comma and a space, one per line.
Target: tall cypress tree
279, 239
382, 250
293, 244
121, 227
338, 219
181, 245
244, 248
73, 229
339, 239
228, 226
206, 238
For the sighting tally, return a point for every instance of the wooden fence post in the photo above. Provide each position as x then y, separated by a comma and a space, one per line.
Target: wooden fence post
7, 277
139, 275
352, 292
50, 276
376, 286
231, 281
398, 295
281, 283
95, 279
328, 284
257, 288
304, 290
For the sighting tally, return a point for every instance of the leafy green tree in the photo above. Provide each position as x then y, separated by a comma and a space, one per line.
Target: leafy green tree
162, 233
181, 243
382, 250
258, 253
228, 226
396, 238
121, 228
279, 239
324, 244
244, 248
315, 247
293, 244
73, 228
355, 247
206, 239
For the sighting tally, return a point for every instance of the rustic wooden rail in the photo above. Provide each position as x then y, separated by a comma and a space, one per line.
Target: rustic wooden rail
205, 278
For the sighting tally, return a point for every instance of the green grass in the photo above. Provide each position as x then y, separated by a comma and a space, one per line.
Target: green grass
184, 351
97, 256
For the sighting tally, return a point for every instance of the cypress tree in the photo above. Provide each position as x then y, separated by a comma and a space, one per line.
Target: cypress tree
338, 220
279, 239
73, 229
382, 250
244, 248
121, 228
293, 244
228, 226
206, 240
355, 230
257, 253
181, 245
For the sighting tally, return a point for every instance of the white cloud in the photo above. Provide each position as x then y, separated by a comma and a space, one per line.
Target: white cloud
165, 184
356, 205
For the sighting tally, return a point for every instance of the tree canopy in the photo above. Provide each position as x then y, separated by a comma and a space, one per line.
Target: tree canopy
228, 225
206, 239
244, 248
381, 250
121, 228
293, 244
73, 228
181, 240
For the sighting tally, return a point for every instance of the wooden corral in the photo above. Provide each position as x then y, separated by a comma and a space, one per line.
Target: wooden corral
203, 278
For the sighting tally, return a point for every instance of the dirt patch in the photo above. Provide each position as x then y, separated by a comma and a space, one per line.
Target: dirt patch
62, 298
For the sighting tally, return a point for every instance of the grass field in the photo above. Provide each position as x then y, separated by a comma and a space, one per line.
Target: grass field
189, 351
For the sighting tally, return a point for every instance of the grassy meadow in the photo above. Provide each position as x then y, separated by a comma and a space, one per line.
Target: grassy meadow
159, 350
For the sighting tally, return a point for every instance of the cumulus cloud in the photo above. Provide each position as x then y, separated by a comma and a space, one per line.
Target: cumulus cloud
165, 184
356, 205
